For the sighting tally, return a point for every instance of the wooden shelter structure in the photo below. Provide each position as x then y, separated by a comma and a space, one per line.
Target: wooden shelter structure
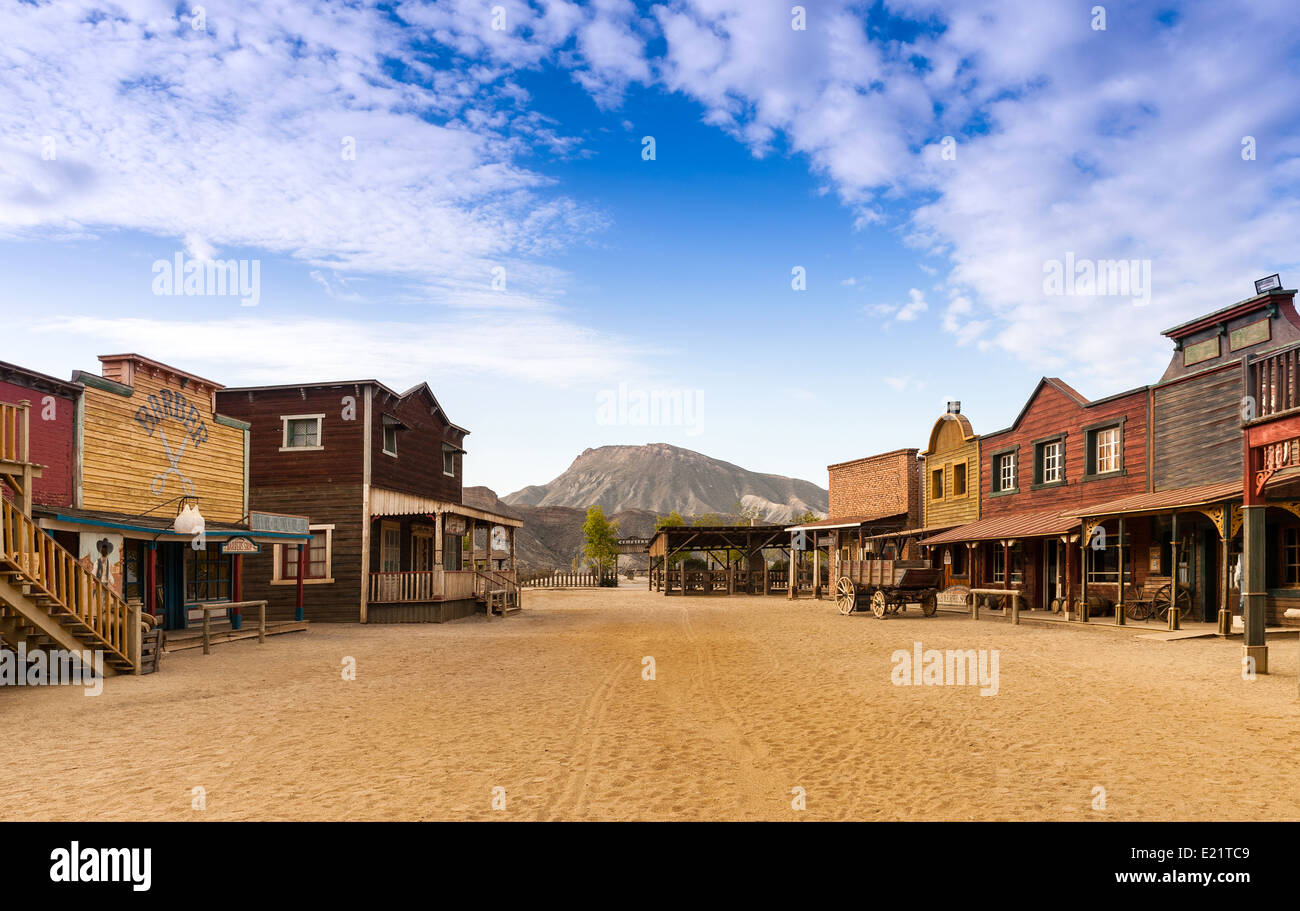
736, 554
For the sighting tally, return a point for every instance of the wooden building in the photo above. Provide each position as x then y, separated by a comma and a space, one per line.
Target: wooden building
1062, 453
380, 473
951, 491
51, 406
736, 560
149, 447
875, 510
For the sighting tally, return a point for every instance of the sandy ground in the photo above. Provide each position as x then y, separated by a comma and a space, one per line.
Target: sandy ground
752, 698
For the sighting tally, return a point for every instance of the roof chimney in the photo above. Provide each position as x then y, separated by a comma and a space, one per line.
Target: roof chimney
954, 407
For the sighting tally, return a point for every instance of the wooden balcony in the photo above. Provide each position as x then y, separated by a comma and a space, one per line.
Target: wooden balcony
1273, 383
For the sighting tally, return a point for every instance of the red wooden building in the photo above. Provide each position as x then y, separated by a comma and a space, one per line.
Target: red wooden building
1062, 452
380, 473
52, 416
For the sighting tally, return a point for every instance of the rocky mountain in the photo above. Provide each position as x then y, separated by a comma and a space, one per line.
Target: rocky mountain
660, 478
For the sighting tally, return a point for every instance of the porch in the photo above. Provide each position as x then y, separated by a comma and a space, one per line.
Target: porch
436, 561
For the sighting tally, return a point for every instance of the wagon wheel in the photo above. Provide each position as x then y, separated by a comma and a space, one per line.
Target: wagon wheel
879, 605
929, 604
1182, 600
846, 595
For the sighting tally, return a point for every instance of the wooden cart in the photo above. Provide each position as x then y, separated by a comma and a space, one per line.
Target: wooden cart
888, 586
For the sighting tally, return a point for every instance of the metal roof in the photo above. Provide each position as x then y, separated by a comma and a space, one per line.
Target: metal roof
1015, 525
1164, 499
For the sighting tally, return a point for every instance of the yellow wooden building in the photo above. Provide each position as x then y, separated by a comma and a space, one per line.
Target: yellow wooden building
154, 456
952, 487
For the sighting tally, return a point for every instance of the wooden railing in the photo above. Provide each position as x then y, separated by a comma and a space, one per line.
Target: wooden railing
568, 580
56, 575
496, 580
416, 585
13, 432
1273, 381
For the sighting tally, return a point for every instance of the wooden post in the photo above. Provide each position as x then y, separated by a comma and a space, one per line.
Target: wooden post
1173, 570
817, 568
1119, 601
237, 592
792, 583
151, 578
1252, 588
24, 454
207, 631
762, 555
1084, 544
1224, 573
261, 622
1068, 604
302, 568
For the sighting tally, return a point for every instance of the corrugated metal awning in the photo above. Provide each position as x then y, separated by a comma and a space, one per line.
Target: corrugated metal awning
1015, 525
1163, 499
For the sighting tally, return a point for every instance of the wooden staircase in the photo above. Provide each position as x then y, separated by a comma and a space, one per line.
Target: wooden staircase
496, 591
48, 600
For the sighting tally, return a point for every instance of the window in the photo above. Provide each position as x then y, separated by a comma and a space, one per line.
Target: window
1105, 449
1049, 462
319, 558
390, 440
1103, 565
302, 431
936, 484
1004, 477
1291, 556
959, 479
999, 564
452, 548
207, 574
449, 463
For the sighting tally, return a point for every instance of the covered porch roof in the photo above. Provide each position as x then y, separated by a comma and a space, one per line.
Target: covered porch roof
152, 527
1015, 525
385, 502
672, 539
848, 522
1163, 500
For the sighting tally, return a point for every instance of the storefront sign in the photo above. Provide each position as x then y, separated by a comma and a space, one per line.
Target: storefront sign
1153, 559
500, 541
954, 596
240, 545
275, 523
455, 525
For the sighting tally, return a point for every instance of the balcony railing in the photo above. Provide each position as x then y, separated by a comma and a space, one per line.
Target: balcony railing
1273, 383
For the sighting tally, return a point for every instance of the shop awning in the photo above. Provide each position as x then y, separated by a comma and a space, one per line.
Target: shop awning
154, 527
1161, 500
909, 532
1016, 525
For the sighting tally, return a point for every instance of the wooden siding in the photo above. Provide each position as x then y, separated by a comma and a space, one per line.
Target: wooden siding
1196, 430
125, 457
339, 601
950, 447
417, 467
338, 462
1049, 412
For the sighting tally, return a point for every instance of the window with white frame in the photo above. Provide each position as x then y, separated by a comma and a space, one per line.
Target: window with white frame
390, 439
1007, 471
449, 463
1051, 462
1106, 450
302, 431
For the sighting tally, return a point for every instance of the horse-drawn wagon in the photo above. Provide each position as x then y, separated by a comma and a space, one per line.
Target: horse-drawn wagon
888, 586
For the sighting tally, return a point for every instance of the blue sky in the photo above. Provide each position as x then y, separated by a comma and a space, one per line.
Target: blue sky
136, 131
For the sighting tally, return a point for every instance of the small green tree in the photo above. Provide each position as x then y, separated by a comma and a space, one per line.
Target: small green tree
601, 535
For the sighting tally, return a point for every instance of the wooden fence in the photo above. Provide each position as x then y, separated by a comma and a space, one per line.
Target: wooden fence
569, 580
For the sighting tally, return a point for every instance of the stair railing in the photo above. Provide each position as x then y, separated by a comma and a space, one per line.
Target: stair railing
51, 571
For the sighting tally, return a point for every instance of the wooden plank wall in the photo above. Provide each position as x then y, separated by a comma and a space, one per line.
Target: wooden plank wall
124, 453
1051, 411
1196, 430
339, 601
951, 447
417, 468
